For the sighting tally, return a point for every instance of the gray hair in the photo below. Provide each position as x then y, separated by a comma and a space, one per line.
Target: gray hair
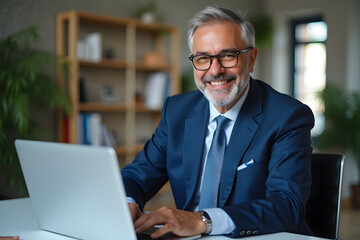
218, 14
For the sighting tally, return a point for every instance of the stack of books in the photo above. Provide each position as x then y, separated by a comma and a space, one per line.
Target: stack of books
91, 131
90, 47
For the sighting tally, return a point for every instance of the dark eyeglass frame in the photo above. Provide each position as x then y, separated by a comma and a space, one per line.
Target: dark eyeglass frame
191, 58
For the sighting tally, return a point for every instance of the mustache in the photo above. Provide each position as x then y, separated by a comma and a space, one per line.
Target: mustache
219, 77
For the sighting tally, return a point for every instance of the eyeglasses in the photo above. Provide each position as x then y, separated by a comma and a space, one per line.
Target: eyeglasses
226, 59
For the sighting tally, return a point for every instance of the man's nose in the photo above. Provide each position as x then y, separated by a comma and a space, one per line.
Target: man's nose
215, 67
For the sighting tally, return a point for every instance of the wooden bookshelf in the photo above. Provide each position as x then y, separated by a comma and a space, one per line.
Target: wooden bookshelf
127, 72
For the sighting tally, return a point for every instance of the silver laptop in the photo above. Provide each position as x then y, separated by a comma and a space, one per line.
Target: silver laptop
76, 190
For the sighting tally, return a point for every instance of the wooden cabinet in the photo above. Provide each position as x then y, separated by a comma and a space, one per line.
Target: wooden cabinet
139, 50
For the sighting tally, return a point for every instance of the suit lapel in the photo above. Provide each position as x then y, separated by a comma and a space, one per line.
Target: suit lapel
194, 135
243, 132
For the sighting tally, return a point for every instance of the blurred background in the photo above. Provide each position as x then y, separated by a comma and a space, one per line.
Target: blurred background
303, 47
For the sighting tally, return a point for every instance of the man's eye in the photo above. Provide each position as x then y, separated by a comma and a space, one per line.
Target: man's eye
227, 56
202, 59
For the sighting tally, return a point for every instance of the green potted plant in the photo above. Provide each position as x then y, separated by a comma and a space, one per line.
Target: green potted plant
24, 88
342, 126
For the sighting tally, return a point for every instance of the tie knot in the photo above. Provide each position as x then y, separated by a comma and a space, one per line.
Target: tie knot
221, 122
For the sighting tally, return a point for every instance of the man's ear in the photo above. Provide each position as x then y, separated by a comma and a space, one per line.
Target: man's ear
252, 58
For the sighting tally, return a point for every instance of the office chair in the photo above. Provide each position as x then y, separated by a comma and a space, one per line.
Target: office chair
323, 206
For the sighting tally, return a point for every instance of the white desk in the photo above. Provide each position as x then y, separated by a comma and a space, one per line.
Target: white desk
18, 218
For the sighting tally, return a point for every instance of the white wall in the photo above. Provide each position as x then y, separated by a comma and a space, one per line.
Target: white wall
353, 50
343, 54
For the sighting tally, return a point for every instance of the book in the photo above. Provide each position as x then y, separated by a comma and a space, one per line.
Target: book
155, 90
95, 129
66, 129
81, 50
107, 137
89, 129
93, 45
86, 129
83, 97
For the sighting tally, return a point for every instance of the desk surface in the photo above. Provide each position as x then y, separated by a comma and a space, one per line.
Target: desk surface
17, 217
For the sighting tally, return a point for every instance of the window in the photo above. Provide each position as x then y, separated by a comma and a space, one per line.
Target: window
309, 65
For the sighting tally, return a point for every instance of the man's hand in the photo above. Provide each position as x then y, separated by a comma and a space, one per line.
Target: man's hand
9, 238
181, 223
134, 211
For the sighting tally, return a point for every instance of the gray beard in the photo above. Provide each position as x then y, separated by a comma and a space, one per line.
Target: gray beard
231, 96
234, 92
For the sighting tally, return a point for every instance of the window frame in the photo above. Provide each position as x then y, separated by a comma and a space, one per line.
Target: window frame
295, 43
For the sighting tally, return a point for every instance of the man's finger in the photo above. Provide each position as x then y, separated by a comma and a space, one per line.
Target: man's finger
161, 231
147, 221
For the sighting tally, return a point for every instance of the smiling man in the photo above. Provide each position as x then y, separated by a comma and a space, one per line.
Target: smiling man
236, 152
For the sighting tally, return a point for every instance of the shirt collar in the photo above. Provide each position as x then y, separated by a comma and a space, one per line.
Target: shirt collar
233, 112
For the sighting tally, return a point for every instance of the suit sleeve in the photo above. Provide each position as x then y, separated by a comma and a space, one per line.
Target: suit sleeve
287, 184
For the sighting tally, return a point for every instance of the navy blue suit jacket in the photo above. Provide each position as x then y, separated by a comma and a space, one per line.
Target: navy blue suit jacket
273, 129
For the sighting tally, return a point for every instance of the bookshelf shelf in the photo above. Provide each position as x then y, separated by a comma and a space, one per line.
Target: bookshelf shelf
104, 63
140, 107
120, 107
143, 67
101, 107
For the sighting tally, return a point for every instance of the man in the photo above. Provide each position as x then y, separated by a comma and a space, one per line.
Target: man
264, 173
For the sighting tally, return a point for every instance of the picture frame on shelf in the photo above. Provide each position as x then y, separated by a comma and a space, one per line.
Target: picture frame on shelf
108, 95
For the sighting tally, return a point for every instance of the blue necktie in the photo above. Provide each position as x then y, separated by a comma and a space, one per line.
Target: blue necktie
210, 184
